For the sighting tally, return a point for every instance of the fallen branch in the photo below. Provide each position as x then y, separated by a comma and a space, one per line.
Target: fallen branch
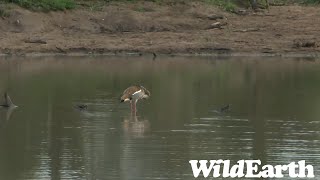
60, 50
38, 41
247, 30
304, 43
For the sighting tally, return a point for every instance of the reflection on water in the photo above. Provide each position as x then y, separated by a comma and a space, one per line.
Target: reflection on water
5, 114
274, 116
133, 127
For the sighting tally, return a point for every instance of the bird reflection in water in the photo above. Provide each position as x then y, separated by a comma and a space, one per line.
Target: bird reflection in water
136, 127
6, 110
5, 114
133, 160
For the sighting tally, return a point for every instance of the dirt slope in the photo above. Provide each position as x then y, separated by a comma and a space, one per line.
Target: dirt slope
148, 27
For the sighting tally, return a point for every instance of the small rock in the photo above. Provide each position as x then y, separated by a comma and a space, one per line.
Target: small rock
241, 12
217, 25
309, 44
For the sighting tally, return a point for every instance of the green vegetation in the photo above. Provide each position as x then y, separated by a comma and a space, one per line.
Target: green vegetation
3, 11
312, 1
45, 5
54, 5
227, 5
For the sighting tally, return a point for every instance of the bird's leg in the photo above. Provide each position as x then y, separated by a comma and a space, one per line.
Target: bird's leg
135, 108
131, 107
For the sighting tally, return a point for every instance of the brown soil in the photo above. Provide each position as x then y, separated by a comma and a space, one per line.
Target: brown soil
171, 29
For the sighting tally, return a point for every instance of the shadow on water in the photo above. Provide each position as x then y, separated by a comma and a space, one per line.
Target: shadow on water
274, 115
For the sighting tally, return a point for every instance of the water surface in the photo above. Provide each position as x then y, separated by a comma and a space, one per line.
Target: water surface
274, 115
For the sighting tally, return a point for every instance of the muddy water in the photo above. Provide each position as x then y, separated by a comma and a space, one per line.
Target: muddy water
274, 115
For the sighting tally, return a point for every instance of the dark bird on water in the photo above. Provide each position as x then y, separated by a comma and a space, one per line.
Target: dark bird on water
7, 102
133, 94
225, 108
154, 56
81, 107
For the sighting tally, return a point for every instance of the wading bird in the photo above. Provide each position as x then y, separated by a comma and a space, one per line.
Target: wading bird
133, 94
7, 102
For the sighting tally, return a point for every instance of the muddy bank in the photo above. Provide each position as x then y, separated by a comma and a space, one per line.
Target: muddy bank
143, 28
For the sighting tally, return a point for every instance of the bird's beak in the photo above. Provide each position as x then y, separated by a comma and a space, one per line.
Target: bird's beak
125, 100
